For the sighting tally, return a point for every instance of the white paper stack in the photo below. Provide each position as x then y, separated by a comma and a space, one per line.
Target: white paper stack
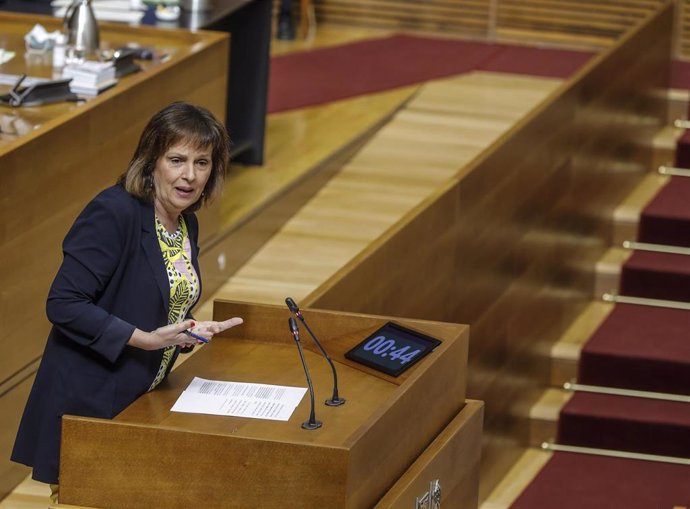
90, 78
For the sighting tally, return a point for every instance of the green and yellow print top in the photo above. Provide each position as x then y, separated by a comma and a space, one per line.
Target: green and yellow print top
183, 280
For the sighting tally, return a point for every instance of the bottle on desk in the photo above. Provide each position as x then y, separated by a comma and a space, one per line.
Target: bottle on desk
82, 30
59, 51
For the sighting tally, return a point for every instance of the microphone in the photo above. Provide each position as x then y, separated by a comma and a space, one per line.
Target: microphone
312, 423
335, 399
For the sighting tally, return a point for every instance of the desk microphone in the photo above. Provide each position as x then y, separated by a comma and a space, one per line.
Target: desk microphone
335, 399
312, 423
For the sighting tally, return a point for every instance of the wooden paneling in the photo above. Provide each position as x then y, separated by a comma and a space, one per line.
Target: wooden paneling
578, 23
590, 21
469, 16
509, 246
451, 459
72, 152
445, 126
682, 46
252, 214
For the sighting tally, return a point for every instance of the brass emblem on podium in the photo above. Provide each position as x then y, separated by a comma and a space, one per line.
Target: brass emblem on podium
432, 498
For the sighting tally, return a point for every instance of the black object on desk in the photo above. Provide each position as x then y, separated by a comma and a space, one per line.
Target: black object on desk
39, 93
249, 23
138, 52
124, 63
392, 349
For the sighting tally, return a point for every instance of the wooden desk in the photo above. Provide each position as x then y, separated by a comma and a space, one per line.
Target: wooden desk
249, 22
72, 152
148, 456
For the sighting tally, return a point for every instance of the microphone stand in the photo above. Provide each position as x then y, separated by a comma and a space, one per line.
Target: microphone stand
312, 423
335, 399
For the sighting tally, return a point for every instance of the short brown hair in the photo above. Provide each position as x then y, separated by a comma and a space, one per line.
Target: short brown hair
178, 122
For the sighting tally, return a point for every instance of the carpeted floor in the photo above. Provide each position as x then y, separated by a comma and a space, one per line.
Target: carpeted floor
579, 481
319, 76
642, 348
666, 219
620, 423
657, 276
310, 78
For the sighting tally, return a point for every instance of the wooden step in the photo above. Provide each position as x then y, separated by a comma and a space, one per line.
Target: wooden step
664, 146
626, 216
678, 103
608, 271
543, 416
565, 354
520, 475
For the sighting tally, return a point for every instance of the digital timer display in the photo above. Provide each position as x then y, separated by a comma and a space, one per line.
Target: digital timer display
392, 349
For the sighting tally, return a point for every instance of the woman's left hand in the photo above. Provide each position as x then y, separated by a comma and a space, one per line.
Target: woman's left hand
210, 328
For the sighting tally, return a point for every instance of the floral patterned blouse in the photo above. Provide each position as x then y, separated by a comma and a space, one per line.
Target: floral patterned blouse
183, 280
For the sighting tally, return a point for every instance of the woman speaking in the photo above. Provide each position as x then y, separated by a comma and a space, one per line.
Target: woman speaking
120, 302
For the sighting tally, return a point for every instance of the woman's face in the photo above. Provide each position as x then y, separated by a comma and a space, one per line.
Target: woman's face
180, 176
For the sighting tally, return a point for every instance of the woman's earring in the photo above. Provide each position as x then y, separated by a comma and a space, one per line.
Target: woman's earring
148, 182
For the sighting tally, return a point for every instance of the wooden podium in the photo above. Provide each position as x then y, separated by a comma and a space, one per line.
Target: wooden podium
383, 446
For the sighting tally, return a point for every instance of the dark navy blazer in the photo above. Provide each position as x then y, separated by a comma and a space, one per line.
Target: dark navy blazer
112, 279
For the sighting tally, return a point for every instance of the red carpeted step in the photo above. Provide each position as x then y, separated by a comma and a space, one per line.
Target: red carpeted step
680, 74
578, 481
639, 347
656, 276
666, 220
627, 424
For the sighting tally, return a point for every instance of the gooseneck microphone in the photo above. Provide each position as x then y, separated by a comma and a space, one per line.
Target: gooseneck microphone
335, 399
312, 423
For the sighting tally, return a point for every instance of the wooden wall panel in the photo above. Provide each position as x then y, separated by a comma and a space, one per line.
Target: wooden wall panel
682, 39
596, 22
510, 245
471, 17
586, 24
452, 458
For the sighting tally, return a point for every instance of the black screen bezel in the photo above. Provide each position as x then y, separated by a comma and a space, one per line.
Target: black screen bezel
427, 342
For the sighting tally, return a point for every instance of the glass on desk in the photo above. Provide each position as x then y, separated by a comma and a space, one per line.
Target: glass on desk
74, 55
3, 50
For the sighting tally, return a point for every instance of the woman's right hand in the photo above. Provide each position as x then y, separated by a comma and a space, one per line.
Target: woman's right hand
162, 337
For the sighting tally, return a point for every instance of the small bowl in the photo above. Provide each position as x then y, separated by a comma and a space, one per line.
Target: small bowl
35, 47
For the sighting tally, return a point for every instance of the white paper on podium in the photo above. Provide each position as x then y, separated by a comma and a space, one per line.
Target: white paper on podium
239, 399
